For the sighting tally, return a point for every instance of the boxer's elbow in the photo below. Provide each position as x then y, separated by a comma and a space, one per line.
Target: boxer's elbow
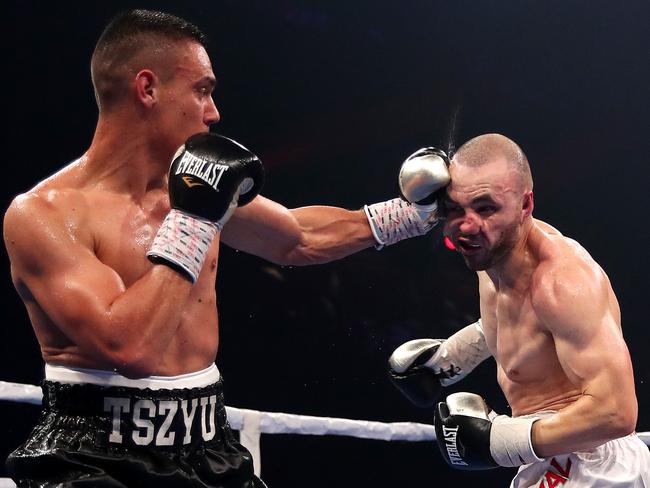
620, 420
133, 362
625, 422
619, 425
297, 254
133, 352
137, 367
316, 249
304, 256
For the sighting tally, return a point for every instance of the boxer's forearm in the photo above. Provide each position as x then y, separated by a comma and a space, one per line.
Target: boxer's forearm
329, 233
298, 237
135, 330
587, 423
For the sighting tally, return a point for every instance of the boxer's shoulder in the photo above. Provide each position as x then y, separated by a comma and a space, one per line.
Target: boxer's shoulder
566, 280
38, 222
46, 207
557, 254
546, 227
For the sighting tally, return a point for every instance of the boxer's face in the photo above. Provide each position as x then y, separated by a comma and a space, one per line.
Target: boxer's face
483, 210
186, 105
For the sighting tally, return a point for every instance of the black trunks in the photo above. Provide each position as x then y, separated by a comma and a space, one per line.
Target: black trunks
115, 436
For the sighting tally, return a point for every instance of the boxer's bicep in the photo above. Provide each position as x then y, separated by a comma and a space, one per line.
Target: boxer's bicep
590, 348
263, 228
594, 357
62, 275
588, 340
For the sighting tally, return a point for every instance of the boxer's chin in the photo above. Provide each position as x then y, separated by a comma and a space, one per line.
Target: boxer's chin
490, 257
480, 262
484, 259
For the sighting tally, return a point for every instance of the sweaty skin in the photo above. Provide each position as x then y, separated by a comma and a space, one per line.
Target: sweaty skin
549, 314
77, 241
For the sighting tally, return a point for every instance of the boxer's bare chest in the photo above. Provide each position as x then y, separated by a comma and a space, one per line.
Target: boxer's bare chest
123, 231
528, 369
523, 348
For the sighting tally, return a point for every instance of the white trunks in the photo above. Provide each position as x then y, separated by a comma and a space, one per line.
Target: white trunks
623, 462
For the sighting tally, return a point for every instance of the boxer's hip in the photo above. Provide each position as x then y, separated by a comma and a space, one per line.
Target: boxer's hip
141, 432
622, 462
160, 412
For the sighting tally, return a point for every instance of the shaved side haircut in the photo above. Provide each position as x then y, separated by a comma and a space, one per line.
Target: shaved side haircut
134, 40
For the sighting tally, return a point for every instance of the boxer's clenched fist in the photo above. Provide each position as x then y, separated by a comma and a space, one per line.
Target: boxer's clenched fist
413, 372
472, 437
423, 175
420, 367
209, 177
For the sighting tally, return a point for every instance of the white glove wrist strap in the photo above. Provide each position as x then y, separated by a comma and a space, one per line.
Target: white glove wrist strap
184, 241
460, 354
511, 442
394, 220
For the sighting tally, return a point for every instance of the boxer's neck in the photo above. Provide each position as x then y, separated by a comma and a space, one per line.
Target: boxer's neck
125, 160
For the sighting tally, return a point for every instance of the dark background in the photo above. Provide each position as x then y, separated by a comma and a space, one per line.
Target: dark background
333, 96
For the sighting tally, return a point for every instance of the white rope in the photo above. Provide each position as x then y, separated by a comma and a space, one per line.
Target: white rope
289, 423
286, 423
17, 392
275, 422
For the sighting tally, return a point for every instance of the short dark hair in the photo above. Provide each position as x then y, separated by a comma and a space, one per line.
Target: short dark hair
129, 34
130, 23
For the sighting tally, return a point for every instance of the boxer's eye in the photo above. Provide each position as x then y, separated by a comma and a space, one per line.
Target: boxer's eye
486, 210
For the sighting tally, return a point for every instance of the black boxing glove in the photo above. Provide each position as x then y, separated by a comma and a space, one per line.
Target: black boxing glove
210, 175
472, 437
411, 373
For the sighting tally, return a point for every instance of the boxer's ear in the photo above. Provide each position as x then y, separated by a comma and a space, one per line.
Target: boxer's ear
144, 83
528, 203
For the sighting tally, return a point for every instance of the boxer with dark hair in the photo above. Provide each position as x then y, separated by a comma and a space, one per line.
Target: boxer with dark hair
550, 319
115, 257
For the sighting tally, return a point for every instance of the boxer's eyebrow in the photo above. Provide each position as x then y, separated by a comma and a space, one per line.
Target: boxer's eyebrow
211, 81
485, 198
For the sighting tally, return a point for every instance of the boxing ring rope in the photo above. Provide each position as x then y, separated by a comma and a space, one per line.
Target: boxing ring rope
252, 423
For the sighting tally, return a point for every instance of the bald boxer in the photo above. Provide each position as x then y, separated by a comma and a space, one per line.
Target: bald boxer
550, 319
115, 257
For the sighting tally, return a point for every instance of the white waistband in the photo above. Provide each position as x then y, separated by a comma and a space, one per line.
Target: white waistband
197, 379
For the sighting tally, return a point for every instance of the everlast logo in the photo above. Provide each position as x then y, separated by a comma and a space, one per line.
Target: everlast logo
211, 173
450, 434
161, 422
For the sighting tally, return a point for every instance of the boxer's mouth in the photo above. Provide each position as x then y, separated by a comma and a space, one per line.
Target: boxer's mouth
467, 246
